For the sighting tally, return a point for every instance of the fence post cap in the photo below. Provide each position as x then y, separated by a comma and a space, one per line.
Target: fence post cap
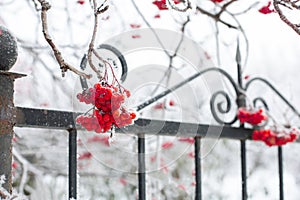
13, 75
8, 49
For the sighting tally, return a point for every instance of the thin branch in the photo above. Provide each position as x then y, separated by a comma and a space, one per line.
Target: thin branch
64, 66
182, 37
295, 27
173, 6
223, 8
293, 4
215, 17
97, 11
36, 6
26, 168
247, 9
149, 26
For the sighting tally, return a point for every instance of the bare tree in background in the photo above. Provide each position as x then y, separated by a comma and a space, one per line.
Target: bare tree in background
74, 28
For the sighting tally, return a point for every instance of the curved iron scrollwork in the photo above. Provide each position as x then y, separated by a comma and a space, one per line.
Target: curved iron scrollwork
221, 108
213, 101
260, 79
116, 52
262, 101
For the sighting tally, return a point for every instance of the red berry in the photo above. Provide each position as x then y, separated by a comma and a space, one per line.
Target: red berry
81, 2
127, 92
106, 118
171, 103
132, 115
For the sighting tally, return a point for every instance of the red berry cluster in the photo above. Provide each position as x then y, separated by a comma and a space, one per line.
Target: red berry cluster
108, 108
251, 116
87, 96
275, 138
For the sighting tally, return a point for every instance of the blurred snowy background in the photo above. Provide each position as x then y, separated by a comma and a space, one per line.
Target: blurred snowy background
269, 48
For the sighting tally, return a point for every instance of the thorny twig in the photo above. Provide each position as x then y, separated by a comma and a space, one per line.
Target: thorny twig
64, 66
276, 4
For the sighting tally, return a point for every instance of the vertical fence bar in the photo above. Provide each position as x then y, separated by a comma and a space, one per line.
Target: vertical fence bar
72, 163
280, 170
244, 170
141, 167
7, 122
198, 189
241, 102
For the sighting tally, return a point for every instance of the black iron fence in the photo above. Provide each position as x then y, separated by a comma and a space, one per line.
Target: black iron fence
11, 116
50, 119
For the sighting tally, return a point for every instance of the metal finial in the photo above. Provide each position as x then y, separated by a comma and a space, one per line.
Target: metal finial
238, 53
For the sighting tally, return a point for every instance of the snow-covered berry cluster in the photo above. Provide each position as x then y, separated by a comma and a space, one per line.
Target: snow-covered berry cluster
250, 116
274, 137
108, 110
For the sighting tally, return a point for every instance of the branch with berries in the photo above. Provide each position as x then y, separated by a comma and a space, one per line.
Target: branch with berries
274, 136
108, 109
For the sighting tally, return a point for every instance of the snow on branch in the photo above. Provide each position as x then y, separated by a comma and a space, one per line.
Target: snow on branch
64, 66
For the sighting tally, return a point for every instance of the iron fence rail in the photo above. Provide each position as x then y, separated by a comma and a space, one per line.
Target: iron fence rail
64, 120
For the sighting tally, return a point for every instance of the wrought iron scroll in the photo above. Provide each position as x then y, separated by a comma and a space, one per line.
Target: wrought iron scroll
228, 104
249, 83
237, 89
115, 51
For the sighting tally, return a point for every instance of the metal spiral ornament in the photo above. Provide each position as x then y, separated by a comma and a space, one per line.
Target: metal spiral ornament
266, 82
116, 52
220, 107
262, 101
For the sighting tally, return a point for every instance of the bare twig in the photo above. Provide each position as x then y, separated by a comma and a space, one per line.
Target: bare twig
181, 39
36, 6
295, 27
97, 11
216, 17
151, 28
223, 8
172, 5
247, 9
64, 66
26, 168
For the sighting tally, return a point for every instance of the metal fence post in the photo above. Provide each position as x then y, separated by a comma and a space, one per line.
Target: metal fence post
72, 163
7, 122
141, 167
241, 102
